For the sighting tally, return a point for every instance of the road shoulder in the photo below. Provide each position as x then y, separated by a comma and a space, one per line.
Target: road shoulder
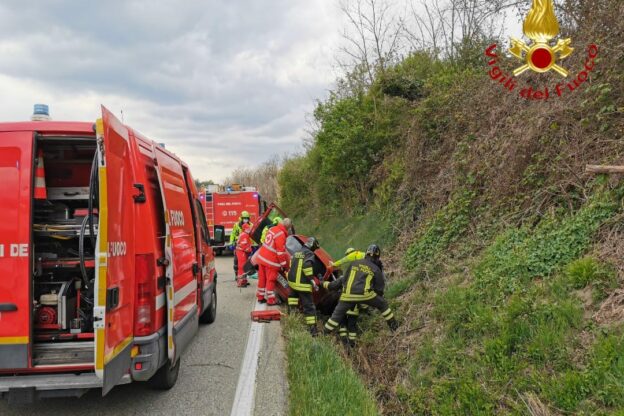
271, 383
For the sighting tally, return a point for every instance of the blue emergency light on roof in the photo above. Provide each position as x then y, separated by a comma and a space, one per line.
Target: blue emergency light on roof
42, 110
161, 145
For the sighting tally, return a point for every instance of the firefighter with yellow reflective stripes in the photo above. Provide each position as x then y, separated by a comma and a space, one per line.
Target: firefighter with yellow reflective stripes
348, 327
350, 256
362, 283
302, 282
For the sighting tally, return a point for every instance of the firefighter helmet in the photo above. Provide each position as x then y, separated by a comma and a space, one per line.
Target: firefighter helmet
373, 251
349, 251
312, 243
277, 220
245, 214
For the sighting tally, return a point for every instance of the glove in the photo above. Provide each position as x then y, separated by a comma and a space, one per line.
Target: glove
232, 247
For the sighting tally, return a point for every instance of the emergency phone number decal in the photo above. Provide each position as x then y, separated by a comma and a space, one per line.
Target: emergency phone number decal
13, 250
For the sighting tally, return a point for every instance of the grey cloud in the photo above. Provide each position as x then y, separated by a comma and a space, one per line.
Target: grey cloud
233, 79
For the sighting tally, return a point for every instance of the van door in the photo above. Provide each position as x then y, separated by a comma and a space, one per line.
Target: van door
182, 268
114, 288
16, 177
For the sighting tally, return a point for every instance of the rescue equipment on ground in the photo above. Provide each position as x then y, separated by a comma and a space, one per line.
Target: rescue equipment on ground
266, 316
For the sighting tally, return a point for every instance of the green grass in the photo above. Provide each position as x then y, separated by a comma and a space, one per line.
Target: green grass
336, 234
446, 227
507, 328
513, 330
320, 381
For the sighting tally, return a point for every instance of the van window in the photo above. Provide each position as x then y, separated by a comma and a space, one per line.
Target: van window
202, 222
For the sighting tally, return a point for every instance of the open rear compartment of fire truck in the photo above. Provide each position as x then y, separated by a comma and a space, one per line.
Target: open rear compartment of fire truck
64, 229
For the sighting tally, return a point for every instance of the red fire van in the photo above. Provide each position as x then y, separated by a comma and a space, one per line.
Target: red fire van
105, 257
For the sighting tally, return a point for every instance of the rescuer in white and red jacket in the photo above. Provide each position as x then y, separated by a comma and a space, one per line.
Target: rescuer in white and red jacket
243, 251
272, 258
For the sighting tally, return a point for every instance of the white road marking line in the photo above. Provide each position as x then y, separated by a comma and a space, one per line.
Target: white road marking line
246, 388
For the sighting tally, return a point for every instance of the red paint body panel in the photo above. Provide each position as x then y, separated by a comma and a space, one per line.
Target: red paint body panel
139, 228
16, 170
182, 231
120, 274
227, 208
72, 128
149, 224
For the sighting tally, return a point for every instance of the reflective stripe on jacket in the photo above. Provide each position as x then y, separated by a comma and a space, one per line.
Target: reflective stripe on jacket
301, 270
273, 252
356, 255
362, 281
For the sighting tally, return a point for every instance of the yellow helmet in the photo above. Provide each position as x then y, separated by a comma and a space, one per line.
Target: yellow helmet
349, 251
245, 214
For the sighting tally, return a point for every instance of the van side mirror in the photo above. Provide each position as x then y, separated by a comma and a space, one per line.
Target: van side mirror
219, 236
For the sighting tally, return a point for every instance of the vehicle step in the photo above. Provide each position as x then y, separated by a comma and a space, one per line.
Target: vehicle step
54, 353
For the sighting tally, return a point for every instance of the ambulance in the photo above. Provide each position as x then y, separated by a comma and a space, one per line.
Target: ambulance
106, 264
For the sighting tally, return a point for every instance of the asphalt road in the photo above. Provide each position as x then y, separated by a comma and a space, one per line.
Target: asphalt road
209, 372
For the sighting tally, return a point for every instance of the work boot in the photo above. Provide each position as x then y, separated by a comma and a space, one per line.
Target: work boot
313, 330
263, 300
393, 324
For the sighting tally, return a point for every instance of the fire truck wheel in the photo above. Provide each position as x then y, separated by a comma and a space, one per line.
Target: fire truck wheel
210, 314
166, 377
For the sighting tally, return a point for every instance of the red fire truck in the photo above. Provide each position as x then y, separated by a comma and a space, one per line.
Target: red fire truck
105, 257
224, 205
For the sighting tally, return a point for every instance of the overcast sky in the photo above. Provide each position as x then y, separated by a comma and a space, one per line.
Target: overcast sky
223, 83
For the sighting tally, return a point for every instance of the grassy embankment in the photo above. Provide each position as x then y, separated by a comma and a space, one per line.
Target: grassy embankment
321, 381
508, 258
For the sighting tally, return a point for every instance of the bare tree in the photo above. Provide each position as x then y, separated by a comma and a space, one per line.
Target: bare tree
443, 26
263, 177
372, 38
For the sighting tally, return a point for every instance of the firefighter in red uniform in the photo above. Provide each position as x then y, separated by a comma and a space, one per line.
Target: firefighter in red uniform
243, 250
272, 258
